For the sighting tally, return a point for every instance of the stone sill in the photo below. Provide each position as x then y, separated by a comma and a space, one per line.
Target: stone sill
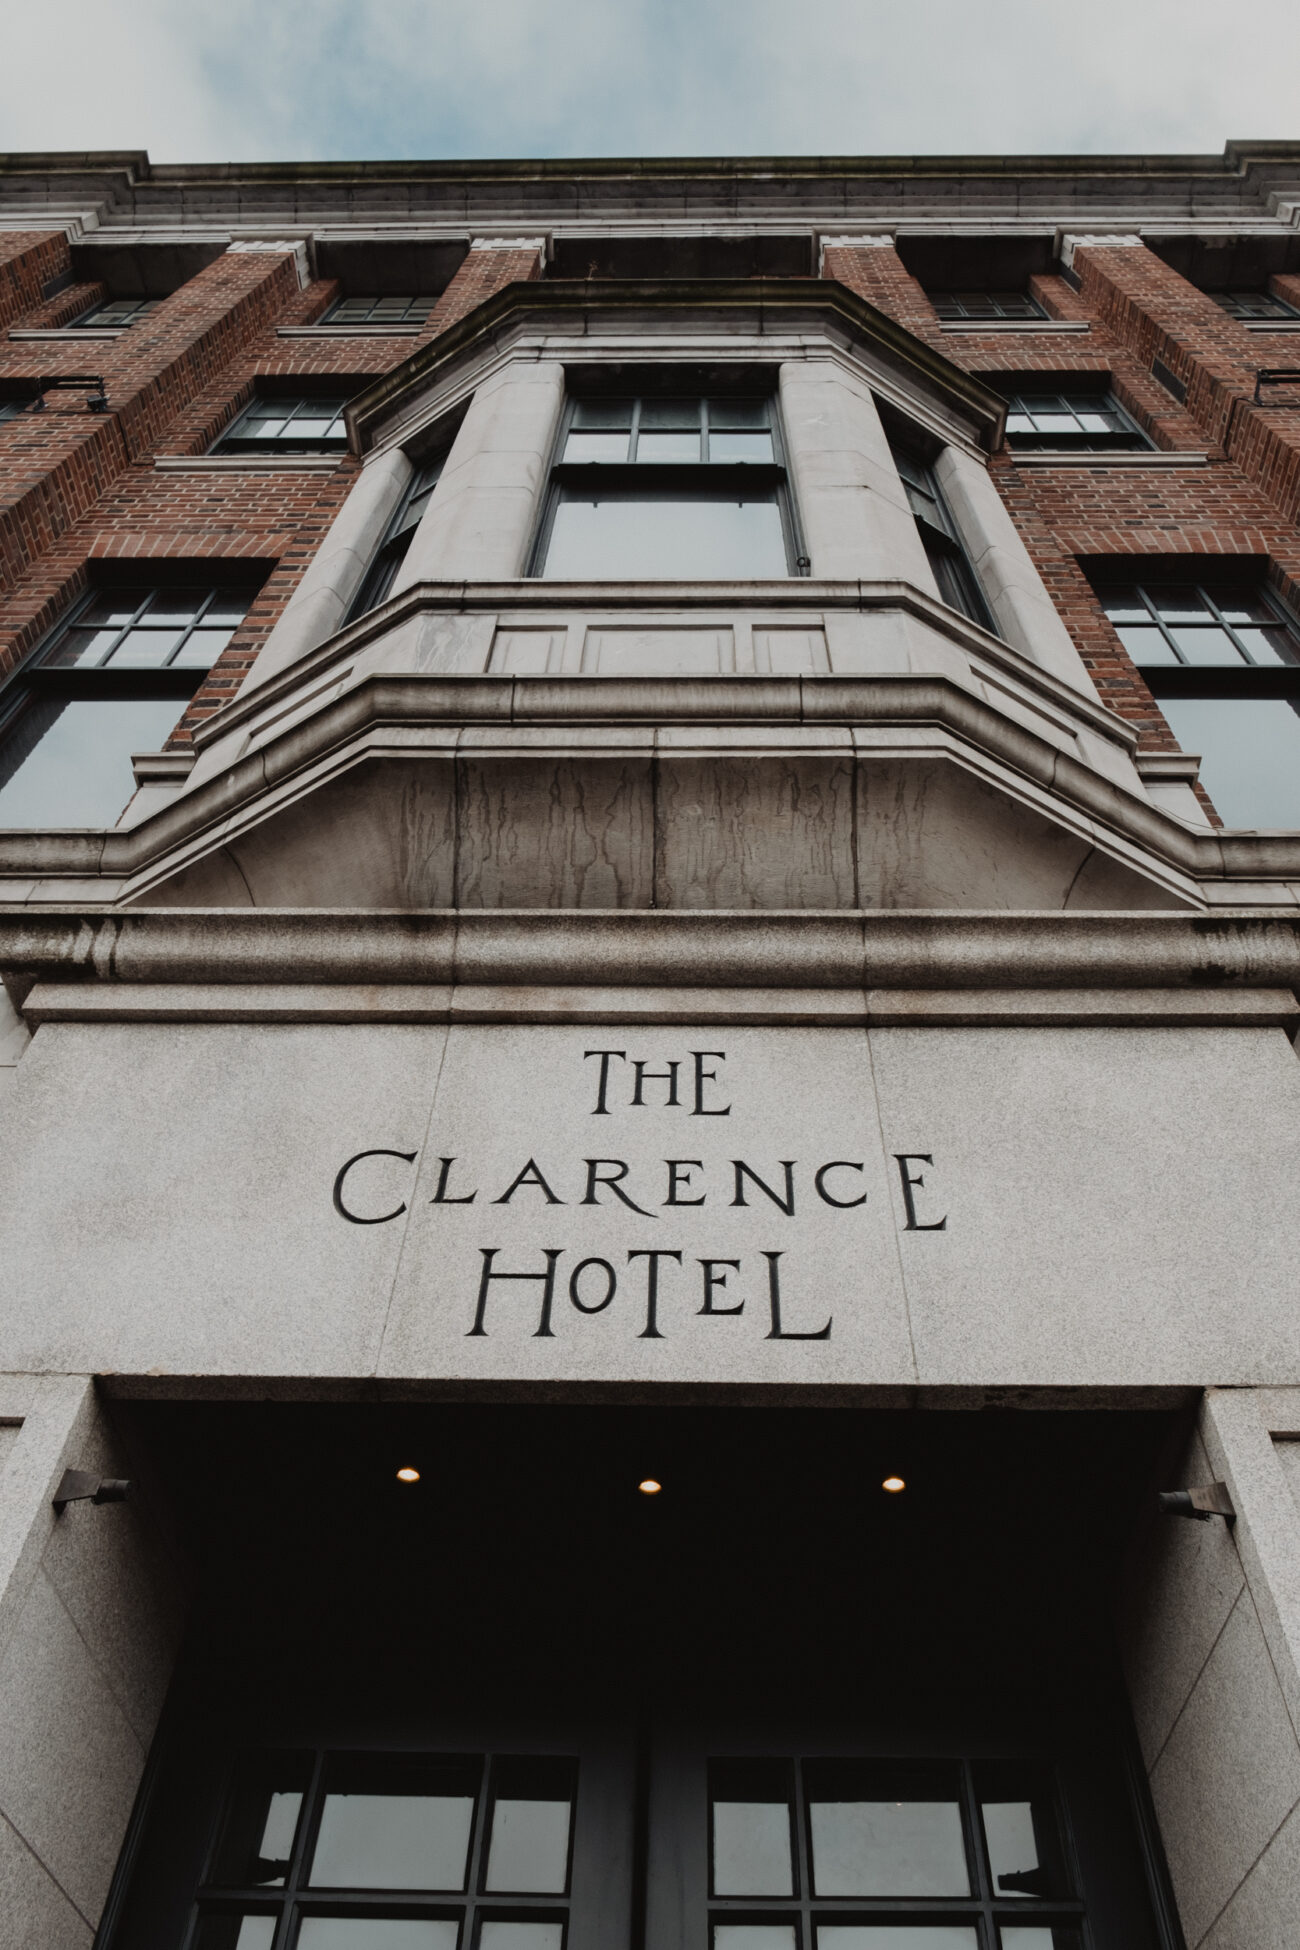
1046, 457
162, 768
68, 334
248, 463
1251, 324
348, 331
1166, 766
1036, 326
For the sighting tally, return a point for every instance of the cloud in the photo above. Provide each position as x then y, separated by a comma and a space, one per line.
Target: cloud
312, 79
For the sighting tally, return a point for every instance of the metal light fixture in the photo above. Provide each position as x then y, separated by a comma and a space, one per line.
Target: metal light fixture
1202, 1502
83, 1486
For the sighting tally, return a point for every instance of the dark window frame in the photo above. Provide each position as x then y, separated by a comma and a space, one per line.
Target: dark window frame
1020, 306
231, 440
344, 311
96, 318
608, 477
1073, 396
1258, 304
959, 586
388, 558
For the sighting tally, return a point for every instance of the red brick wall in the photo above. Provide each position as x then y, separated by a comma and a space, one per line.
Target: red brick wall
28, 260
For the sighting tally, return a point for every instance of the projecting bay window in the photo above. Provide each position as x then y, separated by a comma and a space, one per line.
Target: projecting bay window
958, 583
112, 680
1223, 663
685, 488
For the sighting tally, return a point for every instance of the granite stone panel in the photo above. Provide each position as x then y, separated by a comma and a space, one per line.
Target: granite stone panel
37, 1914
1263, 1913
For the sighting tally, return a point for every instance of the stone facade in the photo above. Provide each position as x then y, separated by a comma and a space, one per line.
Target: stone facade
789, 989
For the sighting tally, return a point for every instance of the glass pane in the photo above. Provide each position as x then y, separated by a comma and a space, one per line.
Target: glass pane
593, 414
1018, 304
395, 1824
667, 447
896, 1936
1207, 646
1146, 646
696, 535
1242, 607
201, 649
529, 1852
739, 415
740, 446
754, 1936
751, 1849
681, 415
1019, 422
235, 1933
1039, 1936
261, 1822
1250, 751
1094, 421
377, 1933
1124, 606
886, 1831
609, 447
174, 606
1274, 645
67, 761
1046, 422
81, 647
1013, 1849
312, 426
978, 304
116, 606
1178, 603
145, 649
521, 1936
231, 607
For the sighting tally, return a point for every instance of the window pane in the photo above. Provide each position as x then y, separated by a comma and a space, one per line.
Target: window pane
740, 446
201, 649
1178, 603
145, 649
1271, 646
751, 1849
754, 1936
1018, 421
67, 762
261, 1821
978, 304
1250, 751
1039, 1936
1207, 646
601, 414
87, 647
376, 1933
530, 1847
1242, 607
739, 415
1050, 422
115, 606
1146, 646
174, 606
666, 447
680, 415
896, 1936
401, 1839
701, 535
494, 1935
235, 1933
228, 608
608, 447
887, 1846
1124, 606
1013, 1850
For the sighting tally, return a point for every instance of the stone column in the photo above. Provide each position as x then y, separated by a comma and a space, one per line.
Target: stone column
1025, 613
1211, 1641
90, 1617
320, 602
856, 520
480, 521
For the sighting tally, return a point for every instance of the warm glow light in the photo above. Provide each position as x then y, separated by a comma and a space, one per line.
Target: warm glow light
649, 1487
408, 1475
893, 1484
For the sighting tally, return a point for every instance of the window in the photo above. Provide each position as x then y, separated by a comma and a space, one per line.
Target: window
378, 311
113, 312
11, 408
952, 571
688, 488
391, 553
392, 1852
1223, 663
986, 304
1254, 304
1080, 418
112, 680
311, 424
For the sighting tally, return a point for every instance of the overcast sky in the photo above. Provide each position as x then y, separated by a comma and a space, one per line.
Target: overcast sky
190, 80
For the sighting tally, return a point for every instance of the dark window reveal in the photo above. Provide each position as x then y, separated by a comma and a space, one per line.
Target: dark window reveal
307, 425
1254, 304
378, 311
1224, 664
952, 570
391, 553
1079, 419
684, 488
112, 680
986, 304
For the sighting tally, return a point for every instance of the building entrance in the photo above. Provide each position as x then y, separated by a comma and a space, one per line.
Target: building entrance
519, 1700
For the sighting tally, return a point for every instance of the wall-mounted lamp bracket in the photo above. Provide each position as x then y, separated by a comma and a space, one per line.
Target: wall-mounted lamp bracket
81, 382
1200, 1503
82, 1486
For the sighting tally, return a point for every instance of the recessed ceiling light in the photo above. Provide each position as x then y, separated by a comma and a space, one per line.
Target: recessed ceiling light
408, 1475
649, 1487
893, 1484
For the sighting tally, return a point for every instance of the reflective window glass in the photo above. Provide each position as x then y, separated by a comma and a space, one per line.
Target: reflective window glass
235, 1932
699, 534
495, 1934
676, 415
528, 1847
395, 1825
1146, 646
311, 423
610, 448
1250, 755
1039, 1936
603, 415
897, 1936
376, 1933
738, 447
754, 1936
378, 311
886, 1832
750, 1838
67, 761
257, 1837
665, 448
113, 313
